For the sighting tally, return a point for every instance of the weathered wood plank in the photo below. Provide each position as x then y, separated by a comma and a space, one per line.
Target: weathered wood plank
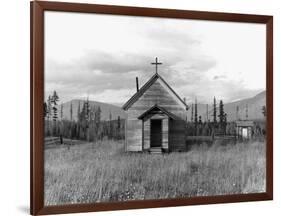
146, 144
134, 135
165, 134
134, 148
156, 94
177, 135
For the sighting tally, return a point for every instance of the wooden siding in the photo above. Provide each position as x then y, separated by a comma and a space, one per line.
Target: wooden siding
146, 134
134, 135
147, 85
177, 135
165, 133
155, 94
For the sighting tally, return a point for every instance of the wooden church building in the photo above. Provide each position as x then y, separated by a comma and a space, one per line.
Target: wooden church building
156, 118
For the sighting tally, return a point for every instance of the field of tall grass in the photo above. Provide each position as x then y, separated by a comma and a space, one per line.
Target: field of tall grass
103, 172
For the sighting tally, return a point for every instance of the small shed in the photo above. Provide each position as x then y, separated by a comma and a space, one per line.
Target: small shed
244, 129
155, 118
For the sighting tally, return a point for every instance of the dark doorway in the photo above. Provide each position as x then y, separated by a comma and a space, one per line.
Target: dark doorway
156, 133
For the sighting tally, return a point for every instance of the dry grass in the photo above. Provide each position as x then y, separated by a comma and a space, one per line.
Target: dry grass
102, 172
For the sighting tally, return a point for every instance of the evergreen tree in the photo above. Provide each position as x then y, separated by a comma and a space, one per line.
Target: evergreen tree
78, 122
199, 129
46, 115
55, 113
225, 118
207, 112
222, 117
61, 125
98, 122
118, 122
118, 127
84, 119
195, 116
192, 112
92, 126
78, 111
61, 111
200, 119
215, 111
86, 111
221, 112
55, 99
49, 107
71, 130
195, 112
49, 115
110, 125
71, 111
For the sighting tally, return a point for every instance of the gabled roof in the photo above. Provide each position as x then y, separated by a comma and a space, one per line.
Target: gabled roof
139, 93
157, 108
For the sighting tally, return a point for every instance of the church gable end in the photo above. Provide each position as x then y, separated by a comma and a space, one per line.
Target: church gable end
156, 91
158, 94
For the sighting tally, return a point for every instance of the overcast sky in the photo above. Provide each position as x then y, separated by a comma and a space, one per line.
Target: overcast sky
100, 56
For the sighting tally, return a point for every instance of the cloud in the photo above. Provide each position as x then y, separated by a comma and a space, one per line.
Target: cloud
172, 38
104, 66
108, 78
227, 90
96, 71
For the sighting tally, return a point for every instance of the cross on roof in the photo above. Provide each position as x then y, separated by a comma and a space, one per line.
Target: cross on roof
156, 63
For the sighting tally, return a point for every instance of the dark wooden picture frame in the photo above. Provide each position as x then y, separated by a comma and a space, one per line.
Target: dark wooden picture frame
37, 10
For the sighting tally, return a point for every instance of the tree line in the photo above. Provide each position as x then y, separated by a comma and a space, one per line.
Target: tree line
87, 125
217, 123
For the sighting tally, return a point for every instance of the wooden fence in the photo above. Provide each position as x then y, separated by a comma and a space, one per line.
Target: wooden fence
51, 141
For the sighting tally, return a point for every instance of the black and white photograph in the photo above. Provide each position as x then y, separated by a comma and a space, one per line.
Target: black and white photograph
146, 108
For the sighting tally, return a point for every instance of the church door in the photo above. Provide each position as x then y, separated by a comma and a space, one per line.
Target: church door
156, 133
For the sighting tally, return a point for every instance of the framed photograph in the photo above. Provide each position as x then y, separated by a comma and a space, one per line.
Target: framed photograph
141, 107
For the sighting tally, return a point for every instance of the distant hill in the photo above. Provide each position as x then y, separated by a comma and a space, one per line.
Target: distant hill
105, 108
254, 109
255, 105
